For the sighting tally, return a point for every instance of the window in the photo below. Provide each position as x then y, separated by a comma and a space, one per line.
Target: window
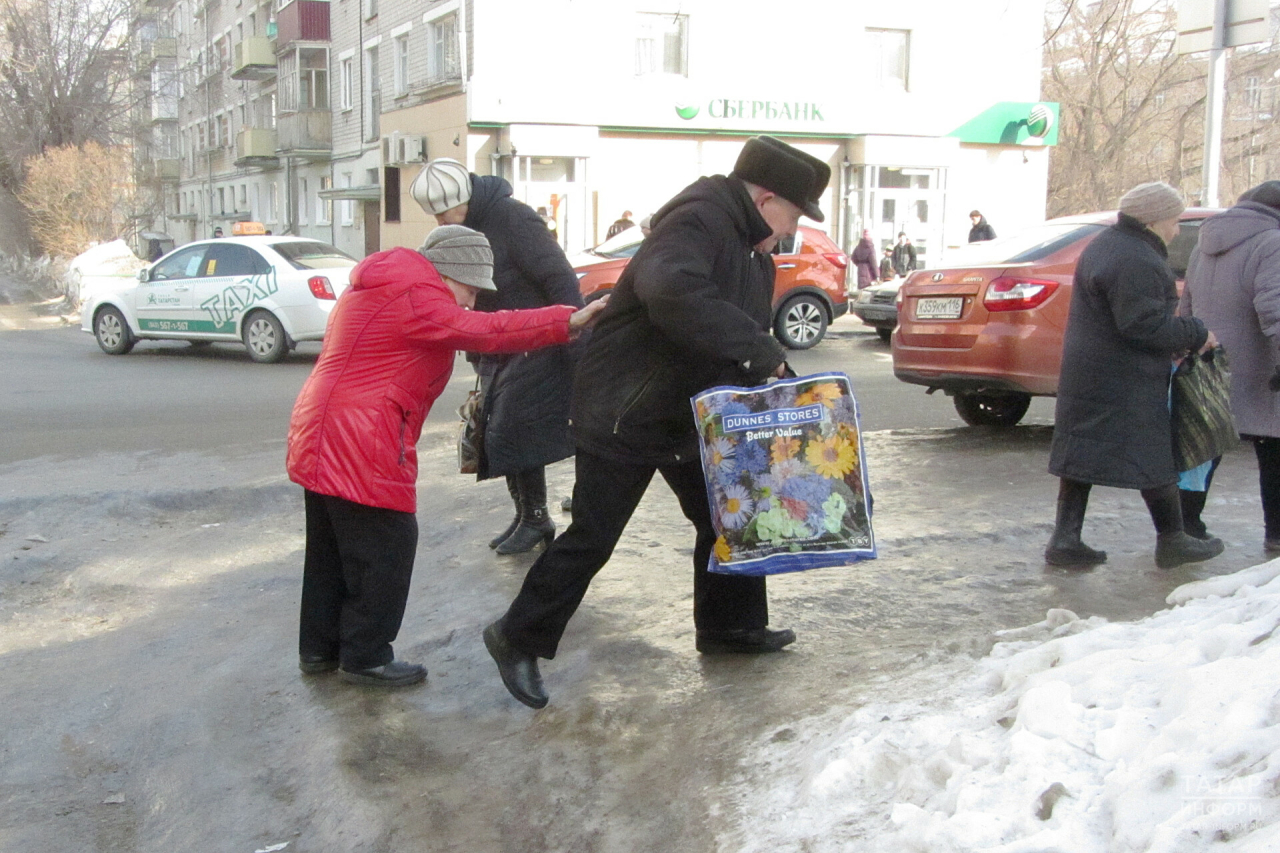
200, 137
888, 52
662, 44
347, 84
402, 64
224, 130
181, 264
233, 259
304, 200
324, 207
244, 198
273, 202
304, 79
370, 8
312, 255
442, 49
391, 194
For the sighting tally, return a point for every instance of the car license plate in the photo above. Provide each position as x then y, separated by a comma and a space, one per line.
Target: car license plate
939, 308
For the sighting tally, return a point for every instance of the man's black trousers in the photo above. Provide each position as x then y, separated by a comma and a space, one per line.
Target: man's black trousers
355, 580
604, 497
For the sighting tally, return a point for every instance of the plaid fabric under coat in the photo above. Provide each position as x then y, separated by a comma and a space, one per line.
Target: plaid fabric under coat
1203, 428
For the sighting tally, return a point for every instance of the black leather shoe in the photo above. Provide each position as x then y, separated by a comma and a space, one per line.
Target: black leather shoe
316, 664
1074, 554
394, 674
744, 641
519, 671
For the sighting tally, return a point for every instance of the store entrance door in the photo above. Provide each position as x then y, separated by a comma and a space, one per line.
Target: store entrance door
897, 199
554, 186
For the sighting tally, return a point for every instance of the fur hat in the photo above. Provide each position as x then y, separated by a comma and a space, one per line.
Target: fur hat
442, 184
798, 177
1152, 202
461, 254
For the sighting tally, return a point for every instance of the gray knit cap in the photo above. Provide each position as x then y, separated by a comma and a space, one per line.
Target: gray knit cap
1152, 202
461, 254
442, 184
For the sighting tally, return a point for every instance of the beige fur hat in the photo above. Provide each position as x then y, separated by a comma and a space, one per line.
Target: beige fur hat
459, 253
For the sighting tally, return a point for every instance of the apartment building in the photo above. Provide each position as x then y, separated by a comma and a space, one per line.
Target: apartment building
314, 116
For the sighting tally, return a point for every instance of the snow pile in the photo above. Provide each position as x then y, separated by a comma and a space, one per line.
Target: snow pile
101, 266
1073, 735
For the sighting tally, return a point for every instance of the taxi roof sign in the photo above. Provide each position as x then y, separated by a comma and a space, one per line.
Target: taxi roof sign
247, 229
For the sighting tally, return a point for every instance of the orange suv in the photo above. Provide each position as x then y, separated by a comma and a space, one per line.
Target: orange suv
808, 290
988, 331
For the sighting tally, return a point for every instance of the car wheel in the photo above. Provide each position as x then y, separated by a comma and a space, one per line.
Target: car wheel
1002, 410
264, 338
885, 333
112, 332
801, 322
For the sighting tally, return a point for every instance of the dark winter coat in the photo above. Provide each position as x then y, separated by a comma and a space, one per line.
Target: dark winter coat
527, 402
864, 261
904, 258
1233, 285
691, 311
886, 269
388, 353
1112, 424
982, 231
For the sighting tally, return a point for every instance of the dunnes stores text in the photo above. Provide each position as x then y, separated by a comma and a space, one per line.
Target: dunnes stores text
730, 108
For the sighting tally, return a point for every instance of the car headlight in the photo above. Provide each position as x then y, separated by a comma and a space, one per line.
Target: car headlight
864, 295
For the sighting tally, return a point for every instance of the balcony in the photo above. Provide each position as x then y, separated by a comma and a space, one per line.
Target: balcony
162, 169
306, 133
254, 59
256, 146
164, 109
302, 20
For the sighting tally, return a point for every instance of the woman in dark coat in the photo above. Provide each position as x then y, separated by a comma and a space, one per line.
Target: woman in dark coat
864, 261
1112, 425
526, 396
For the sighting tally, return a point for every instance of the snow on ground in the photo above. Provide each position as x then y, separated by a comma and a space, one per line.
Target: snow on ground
1072, 736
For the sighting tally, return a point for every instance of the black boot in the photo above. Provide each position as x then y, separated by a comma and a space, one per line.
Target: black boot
514, 489
1173, 546
1065, 547
1192, 505
519, 671
535, 522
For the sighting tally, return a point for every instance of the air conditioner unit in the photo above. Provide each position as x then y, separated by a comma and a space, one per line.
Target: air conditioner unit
413, 149
392, 149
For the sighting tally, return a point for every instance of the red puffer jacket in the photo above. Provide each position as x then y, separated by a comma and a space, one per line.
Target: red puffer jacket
388, 352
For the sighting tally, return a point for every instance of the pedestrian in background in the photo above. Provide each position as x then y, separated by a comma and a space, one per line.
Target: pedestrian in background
620, 225
691, 311
981, 229
1233, 285
864, 261
526, 396
886, 265
904, 255
388, 352
1112, 425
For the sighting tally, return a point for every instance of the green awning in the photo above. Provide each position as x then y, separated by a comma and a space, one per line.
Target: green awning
1012, 123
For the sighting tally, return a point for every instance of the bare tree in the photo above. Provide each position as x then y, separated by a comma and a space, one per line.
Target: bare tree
64, 77
77, 195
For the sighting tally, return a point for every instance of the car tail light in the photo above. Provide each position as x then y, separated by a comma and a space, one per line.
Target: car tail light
321, 288
1008, 293
837, 258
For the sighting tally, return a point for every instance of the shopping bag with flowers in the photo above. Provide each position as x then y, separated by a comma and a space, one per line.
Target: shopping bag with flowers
786, 475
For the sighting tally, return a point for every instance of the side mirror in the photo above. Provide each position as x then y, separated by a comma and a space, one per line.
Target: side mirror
144, 274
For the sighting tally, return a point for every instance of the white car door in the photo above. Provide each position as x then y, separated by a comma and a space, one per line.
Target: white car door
233, 277
162, 303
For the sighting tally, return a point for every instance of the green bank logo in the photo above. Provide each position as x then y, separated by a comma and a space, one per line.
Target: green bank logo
1040, 121
686, 112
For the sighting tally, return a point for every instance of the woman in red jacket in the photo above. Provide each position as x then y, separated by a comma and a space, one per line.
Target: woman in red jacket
388, 353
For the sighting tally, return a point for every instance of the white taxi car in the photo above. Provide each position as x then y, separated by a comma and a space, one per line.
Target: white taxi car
269, 292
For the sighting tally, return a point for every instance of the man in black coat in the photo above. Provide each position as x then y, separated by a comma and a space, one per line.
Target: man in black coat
1112, 425
526, 396
691, 311
904, 255
981, 229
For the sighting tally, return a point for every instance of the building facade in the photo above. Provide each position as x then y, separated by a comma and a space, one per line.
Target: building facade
314, 116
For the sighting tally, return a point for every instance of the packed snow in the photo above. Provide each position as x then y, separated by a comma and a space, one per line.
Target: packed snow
1071, 736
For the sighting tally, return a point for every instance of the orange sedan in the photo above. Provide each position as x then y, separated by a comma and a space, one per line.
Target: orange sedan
808, 291
988, 331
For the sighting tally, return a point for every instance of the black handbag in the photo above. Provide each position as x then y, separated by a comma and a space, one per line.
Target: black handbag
1203, 428
471, 431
